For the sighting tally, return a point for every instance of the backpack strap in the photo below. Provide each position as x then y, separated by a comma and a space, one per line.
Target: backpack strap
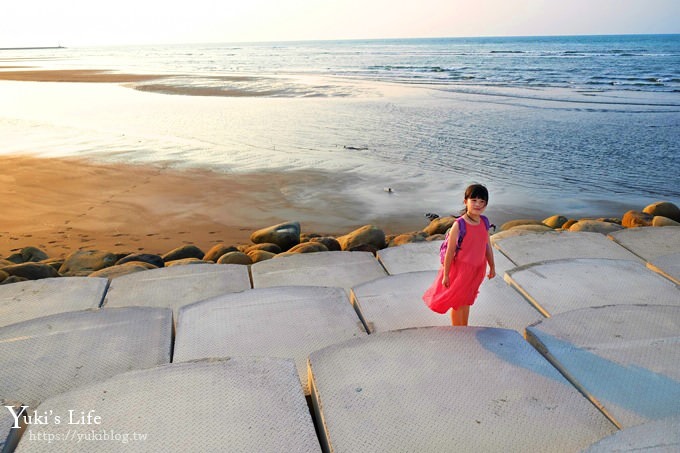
461, 232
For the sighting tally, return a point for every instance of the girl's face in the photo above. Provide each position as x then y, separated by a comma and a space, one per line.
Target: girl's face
475, 206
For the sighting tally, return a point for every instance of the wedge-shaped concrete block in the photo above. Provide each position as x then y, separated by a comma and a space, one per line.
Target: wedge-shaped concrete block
564, 285
9, 427
447, 389
173, 287
394, 302
338, 269
284, 322
34, 299
503, 264
649, 242
239, 405
414, 257
668, 266
661, 436
533, 248
625, 358
50, 355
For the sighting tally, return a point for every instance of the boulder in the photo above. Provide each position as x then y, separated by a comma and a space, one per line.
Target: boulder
260, 255
235, 258
595, 226
218, 250
663, 209
28, 255
331, 243
266, 246
56, 263
634, 219
519, 222
407, 238
307, 247
439, 225
366, 235
31, 271
149, 258
3, 275
119, 270
659, 221
185, 251
364, 248
82, 263
435, 237
184, 262
13, 279
285, 235
568, 224
4, 263
532, 227
555, 222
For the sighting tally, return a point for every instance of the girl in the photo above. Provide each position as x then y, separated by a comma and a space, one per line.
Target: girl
457, 283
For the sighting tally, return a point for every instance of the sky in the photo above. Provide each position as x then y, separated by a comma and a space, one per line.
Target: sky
74, 23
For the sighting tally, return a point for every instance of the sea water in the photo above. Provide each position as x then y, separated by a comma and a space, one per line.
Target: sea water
586, 125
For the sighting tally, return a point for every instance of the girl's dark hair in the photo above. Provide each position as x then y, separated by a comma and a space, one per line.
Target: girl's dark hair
475, 191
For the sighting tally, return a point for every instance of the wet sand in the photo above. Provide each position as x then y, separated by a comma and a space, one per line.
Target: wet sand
73, 75
61, 205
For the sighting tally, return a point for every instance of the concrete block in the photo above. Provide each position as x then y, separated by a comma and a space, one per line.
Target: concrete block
414, 257
284, 322
176, 286
533, 248
563, 285
37, 298
623, 357
661, 436
338, 269
54, 354
236, 405
447, 389
668, 266
649, 242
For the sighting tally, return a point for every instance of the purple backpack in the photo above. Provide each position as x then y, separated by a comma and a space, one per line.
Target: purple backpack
461, 235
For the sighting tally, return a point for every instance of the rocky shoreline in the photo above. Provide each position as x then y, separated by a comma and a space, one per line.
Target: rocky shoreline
31, 263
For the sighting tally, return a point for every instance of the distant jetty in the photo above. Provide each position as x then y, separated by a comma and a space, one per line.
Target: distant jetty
32, 48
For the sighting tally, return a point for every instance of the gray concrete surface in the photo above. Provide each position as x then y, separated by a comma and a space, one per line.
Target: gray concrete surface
661, 436
176, 286
235, 405
649, 242
624, 357
533, 248
414, 257
50, 355
285, 322
36, 298
338, 269
668, 266
395, 302
448, 389
9, 435
563, 285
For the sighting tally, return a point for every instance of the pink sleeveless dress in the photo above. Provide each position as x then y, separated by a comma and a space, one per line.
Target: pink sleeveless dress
465, 275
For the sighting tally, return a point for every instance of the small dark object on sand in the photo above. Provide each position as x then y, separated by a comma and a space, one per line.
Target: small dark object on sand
432, 216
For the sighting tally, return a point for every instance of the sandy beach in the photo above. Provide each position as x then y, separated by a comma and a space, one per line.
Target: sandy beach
61, 205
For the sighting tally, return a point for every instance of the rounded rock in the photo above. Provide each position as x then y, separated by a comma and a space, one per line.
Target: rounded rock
439, 225
184, 262
235, 258
366, 235
634, 219
331, 243
217, 251
265, 246
185, 251
663, 209
519, 222
82, 263
31, 271
555, 222
260, 255
122, 269
659, 221
285, 235
308, 247
595, 226
149, 258
407, 238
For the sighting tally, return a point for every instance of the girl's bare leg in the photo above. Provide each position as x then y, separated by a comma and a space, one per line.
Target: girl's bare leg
460, 317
